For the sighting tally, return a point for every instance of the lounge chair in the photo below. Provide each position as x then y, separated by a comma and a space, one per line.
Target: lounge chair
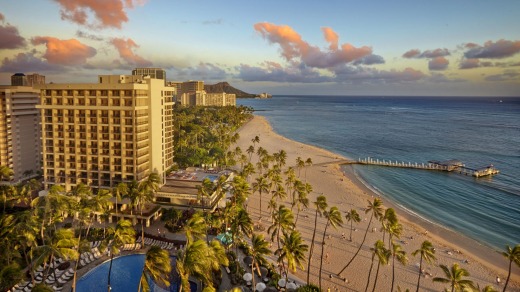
55, 288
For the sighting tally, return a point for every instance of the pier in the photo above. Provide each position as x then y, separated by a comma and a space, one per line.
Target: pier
448, 166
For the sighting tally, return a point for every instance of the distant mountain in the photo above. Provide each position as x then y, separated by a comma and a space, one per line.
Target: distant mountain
227, 88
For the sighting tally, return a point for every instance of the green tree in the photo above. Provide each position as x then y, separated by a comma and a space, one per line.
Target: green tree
61, 244
119, 192
302, 201
383, 255
352, 216
259, 250
321, 205
513, 255
376, 209
9, 276
195, 228
292, 251
122, 234
261, 186
454, 276
157, 267
427, 253
334, 219
283, 220
400, 255
147, 189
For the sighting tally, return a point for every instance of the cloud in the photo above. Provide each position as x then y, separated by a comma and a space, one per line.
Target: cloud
474, 63
506, 76
213, 21
9, 36
351, 74
438, 63
294, 48
493, 50
28, 62
125, 49
106, 13
86, 35
203, 71
428, 54
64, 52
275, 72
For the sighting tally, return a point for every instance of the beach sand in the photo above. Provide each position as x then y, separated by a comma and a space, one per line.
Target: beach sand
346, 192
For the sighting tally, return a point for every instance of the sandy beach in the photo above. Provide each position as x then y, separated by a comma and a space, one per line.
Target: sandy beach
346, 192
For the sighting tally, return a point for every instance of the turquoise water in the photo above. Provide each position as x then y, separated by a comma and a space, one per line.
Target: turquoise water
126, 272
477, 131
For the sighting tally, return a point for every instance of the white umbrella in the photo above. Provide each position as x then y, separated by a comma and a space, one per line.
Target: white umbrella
291, 286
281, 282
247, 277
260, 287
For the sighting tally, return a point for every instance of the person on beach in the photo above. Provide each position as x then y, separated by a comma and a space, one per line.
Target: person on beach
498, 280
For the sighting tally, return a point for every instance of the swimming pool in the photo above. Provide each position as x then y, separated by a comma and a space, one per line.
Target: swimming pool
212, 177
126, 272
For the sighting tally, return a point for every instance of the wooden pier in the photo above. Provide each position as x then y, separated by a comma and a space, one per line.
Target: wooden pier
448, 166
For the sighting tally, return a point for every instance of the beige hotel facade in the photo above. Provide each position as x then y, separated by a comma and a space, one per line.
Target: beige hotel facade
100, 134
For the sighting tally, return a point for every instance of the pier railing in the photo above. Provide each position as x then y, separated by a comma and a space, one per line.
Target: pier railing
439, 166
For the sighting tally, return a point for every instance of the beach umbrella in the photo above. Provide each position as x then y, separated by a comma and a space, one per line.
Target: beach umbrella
281, 282
291, 286
263, 272
225, 238
260, 287
247, 277
248, 260
236, 289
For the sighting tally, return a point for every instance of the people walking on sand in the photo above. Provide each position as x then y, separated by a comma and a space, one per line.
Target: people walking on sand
498, 280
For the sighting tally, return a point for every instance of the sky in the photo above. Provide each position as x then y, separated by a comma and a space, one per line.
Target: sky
377, 47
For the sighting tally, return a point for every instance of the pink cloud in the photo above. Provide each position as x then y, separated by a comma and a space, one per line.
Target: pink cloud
125, 49
28, 62
493, 50
469, 63
9, 36
294, 47
411, 53
331, 37
64, 52
438, 63
428, 54
107, 13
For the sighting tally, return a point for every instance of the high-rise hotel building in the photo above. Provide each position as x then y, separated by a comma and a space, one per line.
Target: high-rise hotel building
20, 131
100, 134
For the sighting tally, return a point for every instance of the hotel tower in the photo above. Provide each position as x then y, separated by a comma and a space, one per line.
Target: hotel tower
100, 134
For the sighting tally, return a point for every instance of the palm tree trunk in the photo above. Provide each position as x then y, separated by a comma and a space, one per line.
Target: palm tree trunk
420, 272
322, 250
360, 246
253, 272
142, 228
260, 193
377, 273
297, 215
110, 271
74, 278
370, 272
508, 275
350, 239
311, 249
393, 273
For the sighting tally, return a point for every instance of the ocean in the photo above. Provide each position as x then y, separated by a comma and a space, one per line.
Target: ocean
478, 131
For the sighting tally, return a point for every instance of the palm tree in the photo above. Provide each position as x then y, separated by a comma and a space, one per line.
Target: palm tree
321, 206
242, 224
383, 255
157, 266
513, 255
427, 253
379, 251
145, 194
292, 251
333, 217
195, 228
454, 277
376, 209
399, 254
352, 216
282, 221
250, 150
261, 186
259, 249
61, 244
299, 164
123, 233
308, 162
119, 192
196, 259
302, 200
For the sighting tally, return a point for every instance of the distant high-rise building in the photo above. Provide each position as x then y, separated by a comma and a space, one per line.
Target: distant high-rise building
192, 86
155, 73
35, 79
18, 79
100, 134
202, 98
20, 145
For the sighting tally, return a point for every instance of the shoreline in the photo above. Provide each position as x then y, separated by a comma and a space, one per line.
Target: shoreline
483, 263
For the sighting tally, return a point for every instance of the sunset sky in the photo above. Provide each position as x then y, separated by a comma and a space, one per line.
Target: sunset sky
463, 47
